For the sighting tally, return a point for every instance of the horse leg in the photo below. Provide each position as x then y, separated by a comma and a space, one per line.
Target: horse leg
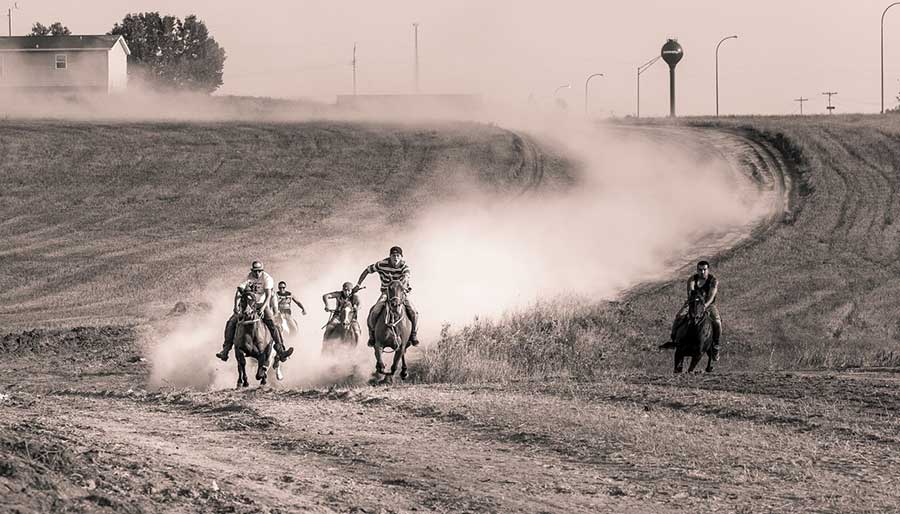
404, 374
709, 360
242, 368
397, 354
694, 360
679, 360
379, 364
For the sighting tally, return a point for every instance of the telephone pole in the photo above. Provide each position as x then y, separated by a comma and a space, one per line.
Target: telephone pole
801, 100
416, 29
9, 15
354, 69
830, 94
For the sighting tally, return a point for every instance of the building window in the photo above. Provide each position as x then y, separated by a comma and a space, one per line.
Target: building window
62, 62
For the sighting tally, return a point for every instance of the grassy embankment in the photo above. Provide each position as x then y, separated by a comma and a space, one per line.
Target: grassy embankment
109, 223
821, 289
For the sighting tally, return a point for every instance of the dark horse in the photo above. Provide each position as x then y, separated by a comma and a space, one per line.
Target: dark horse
342, 330
392, 330
694, 337
251, 339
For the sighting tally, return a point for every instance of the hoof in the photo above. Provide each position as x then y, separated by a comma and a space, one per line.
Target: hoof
261, 373
404, 375
709, 369
278, 374
387, 380
223, 356
243, 384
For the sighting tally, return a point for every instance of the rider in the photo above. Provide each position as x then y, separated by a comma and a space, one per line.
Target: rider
341, 298
390, 269
260, 284
284, 298
708, 284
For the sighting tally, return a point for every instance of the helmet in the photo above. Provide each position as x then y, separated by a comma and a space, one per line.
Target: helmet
282, 283
256, 266
397, 250
347, 284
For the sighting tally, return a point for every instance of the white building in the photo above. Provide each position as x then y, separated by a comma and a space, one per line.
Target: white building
67, 64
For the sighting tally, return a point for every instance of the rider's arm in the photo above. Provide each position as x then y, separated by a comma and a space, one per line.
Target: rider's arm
690, 287
712, 293
237, 300
302, 308
355, 301
326, 296
363, 276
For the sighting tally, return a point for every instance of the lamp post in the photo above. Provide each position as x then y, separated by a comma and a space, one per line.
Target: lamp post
641, 69
564, 86
882, 53
586, 91
717, 70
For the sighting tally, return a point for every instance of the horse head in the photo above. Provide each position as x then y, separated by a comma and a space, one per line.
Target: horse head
248, 304
396, 294
697, 308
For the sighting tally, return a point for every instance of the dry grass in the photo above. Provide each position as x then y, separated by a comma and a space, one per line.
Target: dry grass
104, 222
819, 290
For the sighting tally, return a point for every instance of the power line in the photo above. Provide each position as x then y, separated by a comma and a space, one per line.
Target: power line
830, 94
801, 100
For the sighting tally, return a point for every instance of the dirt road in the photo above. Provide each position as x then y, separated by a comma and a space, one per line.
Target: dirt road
83, 434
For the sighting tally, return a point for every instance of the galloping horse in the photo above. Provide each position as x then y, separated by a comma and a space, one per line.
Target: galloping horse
342, 330
696, 339
392, 330
251, 339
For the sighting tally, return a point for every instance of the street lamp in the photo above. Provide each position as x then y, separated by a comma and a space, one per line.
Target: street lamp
586, 90
564, 86
641, 69
882, 53
717, 71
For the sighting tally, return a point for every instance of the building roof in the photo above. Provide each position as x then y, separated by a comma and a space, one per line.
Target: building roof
48, 43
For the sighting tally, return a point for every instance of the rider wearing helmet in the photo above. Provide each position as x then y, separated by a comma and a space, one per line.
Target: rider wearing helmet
260, 284
342, 297
390, 269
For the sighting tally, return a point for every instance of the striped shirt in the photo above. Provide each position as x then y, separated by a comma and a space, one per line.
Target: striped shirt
389, 273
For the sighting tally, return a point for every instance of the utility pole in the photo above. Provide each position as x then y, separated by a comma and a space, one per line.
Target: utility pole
416, 28
830, 94
354, 69
9, 15
801, 100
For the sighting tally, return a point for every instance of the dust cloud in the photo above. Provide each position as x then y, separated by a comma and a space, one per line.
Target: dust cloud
644, 203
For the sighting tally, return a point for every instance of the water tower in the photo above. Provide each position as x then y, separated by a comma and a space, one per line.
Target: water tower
672, 53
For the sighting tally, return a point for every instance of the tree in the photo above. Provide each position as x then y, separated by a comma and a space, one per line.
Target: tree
169, 53
55, 29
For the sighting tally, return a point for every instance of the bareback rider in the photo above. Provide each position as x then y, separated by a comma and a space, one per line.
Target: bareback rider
284, 299
708, 284
342, 298
390, 269
260, 284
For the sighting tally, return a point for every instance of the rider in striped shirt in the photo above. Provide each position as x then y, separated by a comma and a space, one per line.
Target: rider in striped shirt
390, 269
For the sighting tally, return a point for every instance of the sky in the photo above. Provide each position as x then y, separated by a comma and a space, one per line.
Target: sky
510, 51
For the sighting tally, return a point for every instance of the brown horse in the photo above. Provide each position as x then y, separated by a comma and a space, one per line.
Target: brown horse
696, 338
251, 339
392, 329
342, 330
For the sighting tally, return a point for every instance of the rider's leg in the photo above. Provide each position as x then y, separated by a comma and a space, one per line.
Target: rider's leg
269, 320
679, 319
717, 330
414, 320
230, 327
373, 316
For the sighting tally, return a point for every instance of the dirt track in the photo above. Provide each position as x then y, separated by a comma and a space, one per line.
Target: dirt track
80, 431
731, 443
